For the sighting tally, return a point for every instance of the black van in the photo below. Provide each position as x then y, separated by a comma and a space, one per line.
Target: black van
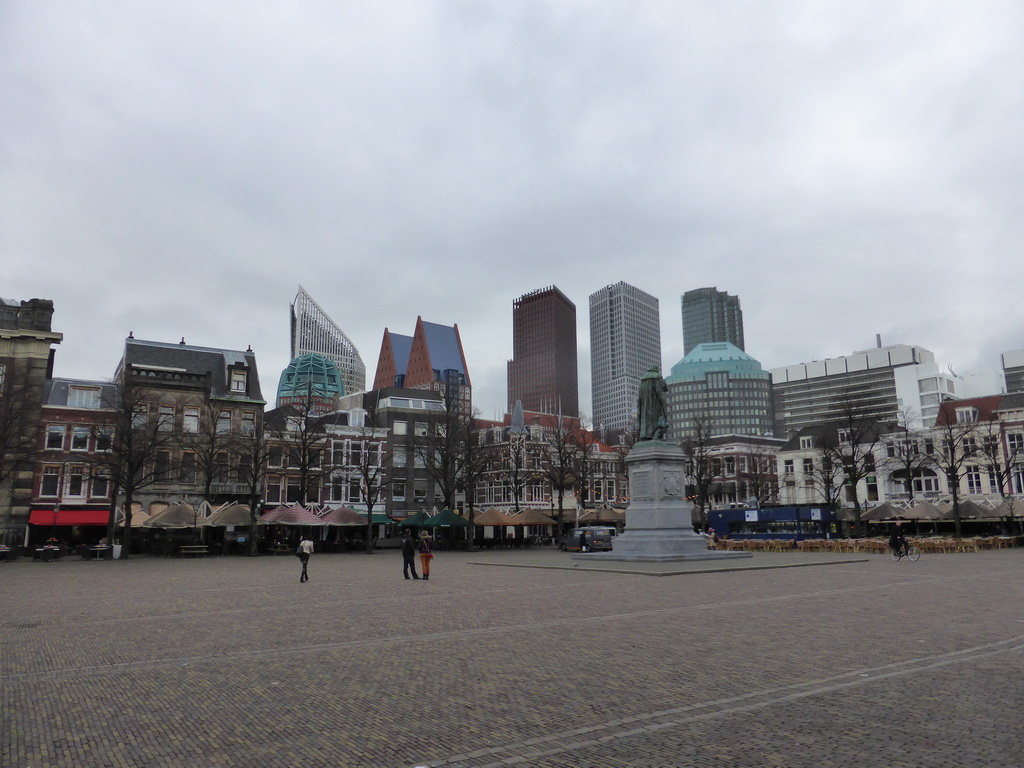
599, 538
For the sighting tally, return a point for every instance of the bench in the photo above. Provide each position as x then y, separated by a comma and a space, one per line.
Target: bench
187, 550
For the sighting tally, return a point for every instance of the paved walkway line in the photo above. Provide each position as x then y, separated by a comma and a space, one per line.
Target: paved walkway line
579, 738
631, 572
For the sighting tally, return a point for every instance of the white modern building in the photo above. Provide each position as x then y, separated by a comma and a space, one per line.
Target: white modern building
625, 341
313, 331
1013, 370
892, 383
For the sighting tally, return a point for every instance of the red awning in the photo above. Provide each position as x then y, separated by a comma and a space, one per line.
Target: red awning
69, 517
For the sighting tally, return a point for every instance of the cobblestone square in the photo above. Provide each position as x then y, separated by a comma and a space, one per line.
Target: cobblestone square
232, 662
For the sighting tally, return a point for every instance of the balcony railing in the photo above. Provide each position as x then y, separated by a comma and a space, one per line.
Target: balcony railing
230, 488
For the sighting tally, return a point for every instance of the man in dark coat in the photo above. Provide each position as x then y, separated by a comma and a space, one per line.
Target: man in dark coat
897, 540
408, 554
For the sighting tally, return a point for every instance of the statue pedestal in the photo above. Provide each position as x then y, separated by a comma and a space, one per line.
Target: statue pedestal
658, 520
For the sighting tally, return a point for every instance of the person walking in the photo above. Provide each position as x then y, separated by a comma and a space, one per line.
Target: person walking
304, 551
426, 546
408, 554
583, 541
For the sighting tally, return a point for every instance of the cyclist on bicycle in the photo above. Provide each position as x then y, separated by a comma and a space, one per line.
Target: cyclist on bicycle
897, 541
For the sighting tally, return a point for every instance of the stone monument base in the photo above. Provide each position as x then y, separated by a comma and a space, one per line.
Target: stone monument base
659, 526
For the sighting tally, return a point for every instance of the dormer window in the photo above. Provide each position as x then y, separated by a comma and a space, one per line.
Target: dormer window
238, 381
966, 415
83, 397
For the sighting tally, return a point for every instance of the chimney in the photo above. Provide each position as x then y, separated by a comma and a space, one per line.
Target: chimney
878, 340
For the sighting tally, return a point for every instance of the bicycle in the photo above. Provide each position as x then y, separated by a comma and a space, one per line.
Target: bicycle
911, 553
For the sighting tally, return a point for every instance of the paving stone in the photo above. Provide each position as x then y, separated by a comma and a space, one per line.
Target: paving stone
231, 662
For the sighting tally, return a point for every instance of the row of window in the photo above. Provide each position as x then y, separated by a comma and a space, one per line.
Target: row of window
288, 490
73, 481
351, 453
82, 438
190, 420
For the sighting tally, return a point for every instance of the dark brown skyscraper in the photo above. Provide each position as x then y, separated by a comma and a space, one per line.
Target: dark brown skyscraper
542, 371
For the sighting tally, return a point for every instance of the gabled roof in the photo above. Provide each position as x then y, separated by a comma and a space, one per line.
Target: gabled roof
828, 433
986, 407
435, 349
422, 358
184, 358
1012, 402
57, 390
392, 360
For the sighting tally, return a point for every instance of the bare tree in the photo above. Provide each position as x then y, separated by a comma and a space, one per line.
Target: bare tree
1000, 455
206, 441
905, 457
559, 463
252, 452
473, 464
372, 466
853, 448
439, 450
828, 478
699, 467
584, 444
301, 435
955, 455
760, 477
515, 469
135, 440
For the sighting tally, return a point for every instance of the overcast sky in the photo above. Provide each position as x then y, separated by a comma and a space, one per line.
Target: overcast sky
178, 168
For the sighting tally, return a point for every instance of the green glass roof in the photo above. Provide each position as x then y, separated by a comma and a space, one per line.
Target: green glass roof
715, 357
311, 374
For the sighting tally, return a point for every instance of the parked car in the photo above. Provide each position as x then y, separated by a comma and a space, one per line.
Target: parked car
599, 538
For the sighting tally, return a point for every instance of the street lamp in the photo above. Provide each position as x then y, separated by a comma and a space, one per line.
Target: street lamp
53, 524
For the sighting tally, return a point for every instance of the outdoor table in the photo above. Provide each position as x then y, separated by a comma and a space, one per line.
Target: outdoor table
3, 552
99, 551
48, 554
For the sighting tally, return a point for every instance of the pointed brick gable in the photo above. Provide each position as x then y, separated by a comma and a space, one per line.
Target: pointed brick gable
419, 372
385, 375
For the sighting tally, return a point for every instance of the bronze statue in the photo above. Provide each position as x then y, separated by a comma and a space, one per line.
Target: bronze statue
651, 406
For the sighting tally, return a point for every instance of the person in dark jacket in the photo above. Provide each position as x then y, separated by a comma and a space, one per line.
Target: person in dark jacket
583, 541
408, 554
897, 541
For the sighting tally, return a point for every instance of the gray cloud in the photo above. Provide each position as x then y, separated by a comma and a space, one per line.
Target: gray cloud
176, 169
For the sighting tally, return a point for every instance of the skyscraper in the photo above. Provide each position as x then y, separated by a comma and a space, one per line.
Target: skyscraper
542, 371
711, 315
625, 340
314, 331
